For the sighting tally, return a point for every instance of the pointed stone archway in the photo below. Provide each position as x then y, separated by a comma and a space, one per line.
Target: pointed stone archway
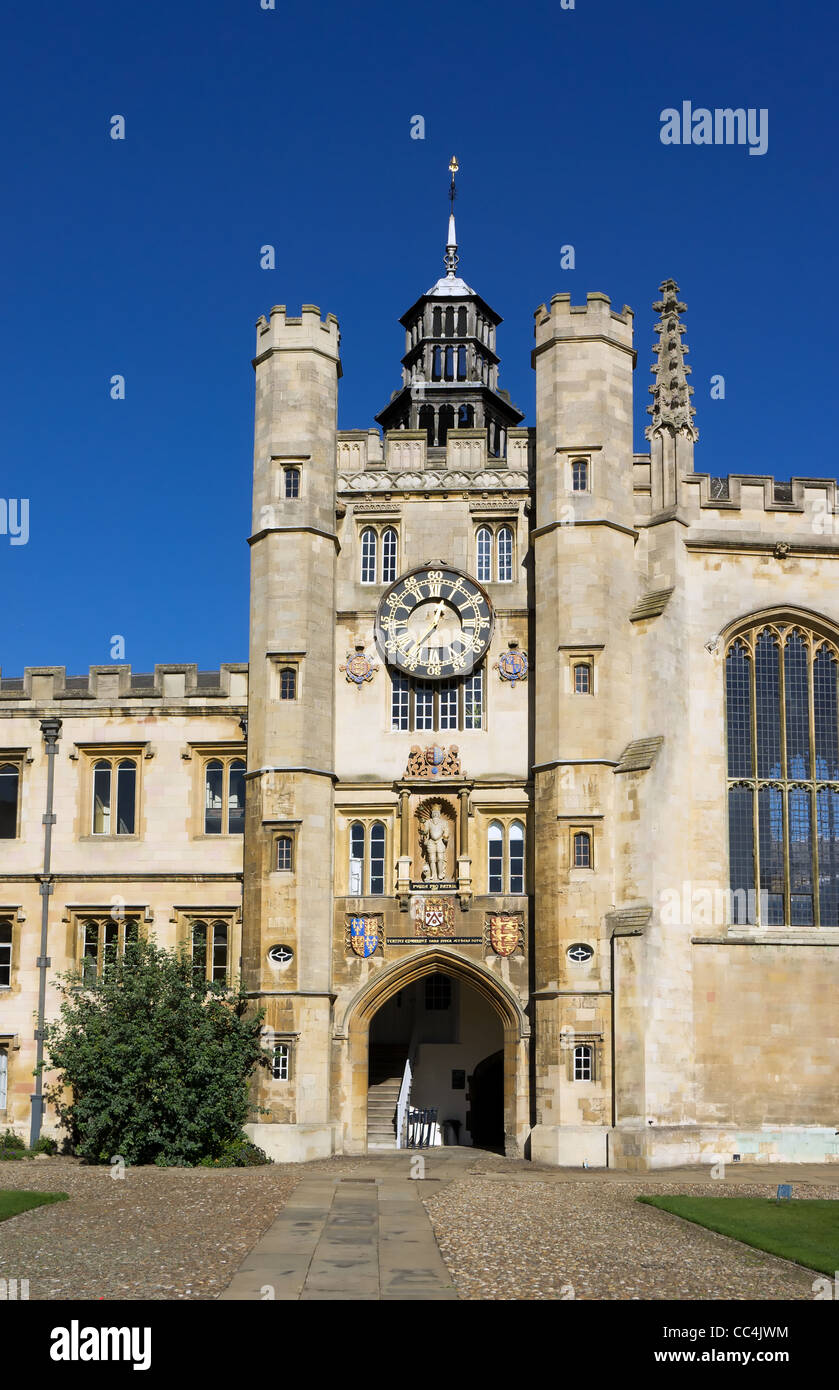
352, 1031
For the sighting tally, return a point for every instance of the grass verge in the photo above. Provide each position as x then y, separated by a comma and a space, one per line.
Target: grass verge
803, 1230
13, 1203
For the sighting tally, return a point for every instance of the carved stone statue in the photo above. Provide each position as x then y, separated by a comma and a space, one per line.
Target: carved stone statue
434, 837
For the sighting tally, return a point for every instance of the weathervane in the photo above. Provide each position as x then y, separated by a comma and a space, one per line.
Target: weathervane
451, 257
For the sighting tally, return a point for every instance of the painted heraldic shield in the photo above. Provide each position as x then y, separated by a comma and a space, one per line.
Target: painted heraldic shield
504, 935
364, 935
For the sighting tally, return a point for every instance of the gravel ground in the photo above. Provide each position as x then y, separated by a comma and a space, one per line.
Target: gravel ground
532, 1240
160, 1233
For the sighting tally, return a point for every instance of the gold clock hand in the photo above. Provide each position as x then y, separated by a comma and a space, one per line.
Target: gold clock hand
437, 616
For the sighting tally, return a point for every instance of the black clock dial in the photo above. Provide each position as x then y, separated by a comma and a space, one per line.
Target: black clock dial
434, 623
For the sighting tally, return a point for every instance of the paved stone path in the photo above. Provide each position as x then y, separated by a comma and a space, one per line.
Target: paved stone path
365, 1238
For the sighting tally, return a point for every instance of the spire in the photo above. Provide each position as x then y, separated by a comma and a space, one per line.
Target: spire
451, 257
671, 408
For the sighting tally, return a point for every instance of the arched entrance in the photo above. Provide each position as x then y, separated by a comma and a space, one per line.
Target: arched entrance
489, 1014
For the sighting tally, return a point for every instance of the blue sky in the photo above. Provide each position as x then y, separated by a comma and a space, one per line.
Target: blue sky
291, 127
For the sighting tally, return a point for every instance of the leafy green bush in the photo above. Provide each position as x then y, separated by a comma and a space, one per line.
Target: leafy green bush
157, 1062
11, 1143
45, 1145
238, 1153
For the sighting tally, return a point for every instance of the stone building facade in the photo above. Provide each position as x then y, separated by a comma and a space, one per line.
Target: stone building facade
538, 832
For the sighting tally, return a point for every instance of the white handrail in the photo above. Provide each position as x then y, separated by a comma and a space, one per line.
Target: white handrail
404, 1099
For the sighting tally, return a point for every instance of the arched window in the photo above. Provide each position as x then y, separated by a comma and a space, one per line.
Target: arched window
377, 858
388, 555
446, 422
584, 1062
426, 421
449, 372
516, 842
220, 950
450, 322
505, 555
579, 475
236, 797
436, 323
461, 364
436, 364
213, 796
582, 678
465, 417
288, 683
495, 857
9, 790
369, 541
356, 859
284, 859
106, 773
461, 321
782, 729
292, 482
582, 849
484, 554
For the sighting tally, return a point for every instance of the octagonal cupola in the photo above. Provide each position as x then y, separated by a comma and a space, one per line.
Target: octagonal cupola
450, 366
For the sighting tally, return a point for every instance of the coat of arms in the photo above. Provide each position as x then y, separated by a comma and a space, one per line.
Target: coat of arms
512, 665
359, 667
365, 935
505, 933
434, 917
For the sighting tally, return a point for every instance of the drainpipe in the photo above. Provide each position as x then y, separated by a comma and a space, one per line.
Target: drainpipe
50, 729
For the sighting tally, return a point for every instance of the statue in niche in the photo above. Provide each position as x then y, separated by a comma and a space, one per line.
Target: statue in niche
434, 838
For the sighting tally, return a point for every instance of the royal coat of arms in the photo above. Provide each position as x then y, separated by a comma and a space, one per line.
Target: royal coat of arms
505, 932
359, 667
365, 935
512, 666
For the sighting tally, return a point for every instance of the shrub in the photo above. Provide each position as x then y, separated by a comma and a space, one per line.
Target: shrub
11, 1143
156, 1062
45, 1145
238, 1153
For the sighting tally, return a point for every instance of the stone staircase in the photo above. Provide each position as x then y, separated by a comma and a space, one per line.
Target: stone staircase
387, 1064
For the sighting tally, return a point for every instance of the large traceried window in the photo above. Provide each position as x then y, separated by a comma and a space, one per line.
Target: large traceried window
782, 726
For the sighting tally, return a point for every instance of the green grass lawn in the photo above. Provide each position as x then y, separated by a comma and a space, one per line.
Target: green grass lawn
13, 1203
806, 1231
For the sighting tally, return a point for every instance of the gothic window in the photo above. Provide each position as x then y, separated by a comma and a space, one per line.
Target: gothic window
288, 683
505, 555
5, 954
461, 321
292, 482
516, 855
461, 364
449, 372
369, 546
465, 417
389, 548
484, 554
579, 475
450, 322
436, 368
582, 678
446, 422
103, 942
361, 880
224, 796
495, 843
284, 853
377, 858
356, 859
584, 1062
210, 945
436, 323
582, 849
782, 730
114, 796
9, 795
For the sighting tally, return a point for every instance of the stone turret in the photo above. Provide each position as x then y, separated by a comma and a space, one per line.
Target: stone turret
672, 433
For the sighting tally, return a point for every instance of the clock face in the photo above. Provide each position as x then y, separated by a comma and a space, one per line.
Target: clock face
434, 623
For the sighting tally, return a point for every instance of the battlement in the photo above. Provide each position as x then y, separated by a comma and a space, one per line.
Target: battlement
282, 332
408, 465
166, 684
595, 318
